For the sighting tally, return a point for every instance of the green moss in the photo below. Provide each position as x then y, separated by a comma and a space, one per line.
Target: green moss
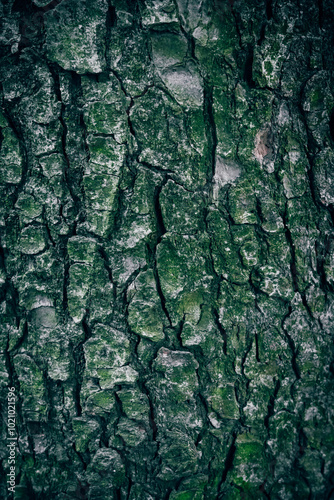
242, 203
133, 434
179, 373
106, 155
101, 402
191, 488
223, 401
78, 290
29, 208
186, 495
268, 67
145, 314
10, 158
102, 118
85, 432
32, 240
3, 121
168, 48
134, 403
316, 97
100, 191
107, 349
35, 407
81, 249
179, 458
182, 210
115, 376
79, 45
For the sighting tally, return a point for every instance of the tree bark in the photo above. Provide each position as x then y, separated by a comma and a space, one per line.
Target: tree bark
166, 265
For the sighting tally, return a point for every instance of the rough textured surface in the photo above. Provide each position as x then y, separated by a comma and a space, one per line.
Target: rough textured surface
166, 264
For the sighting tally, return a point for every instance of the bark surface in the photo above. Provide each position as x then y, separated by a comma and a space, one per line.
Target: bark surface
166, 264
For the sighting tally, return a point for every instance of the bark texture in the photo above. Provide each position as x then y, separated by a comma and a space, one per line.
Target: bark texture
166, 265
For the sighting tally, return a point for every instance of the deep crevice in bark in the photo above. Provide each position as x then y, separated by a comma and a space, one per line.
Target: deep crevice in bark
254, 364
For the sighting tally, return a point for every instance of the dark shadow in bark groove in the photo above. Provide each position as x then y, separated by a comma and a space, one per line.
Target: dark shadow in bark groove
331, 125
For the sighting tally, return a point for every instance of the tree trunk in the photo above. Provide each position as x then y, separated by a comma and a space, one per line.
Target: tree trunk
166, 266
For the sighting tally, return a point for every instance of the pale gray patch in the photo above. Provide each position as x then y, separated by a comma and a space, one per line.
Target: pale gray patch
44, 317
226, 172
185, 85
42, 3
284, 115
193, 13
41, 301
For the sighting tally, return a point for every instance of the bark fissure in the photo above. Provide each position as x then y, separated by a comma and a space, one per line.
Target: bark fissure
166, 282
